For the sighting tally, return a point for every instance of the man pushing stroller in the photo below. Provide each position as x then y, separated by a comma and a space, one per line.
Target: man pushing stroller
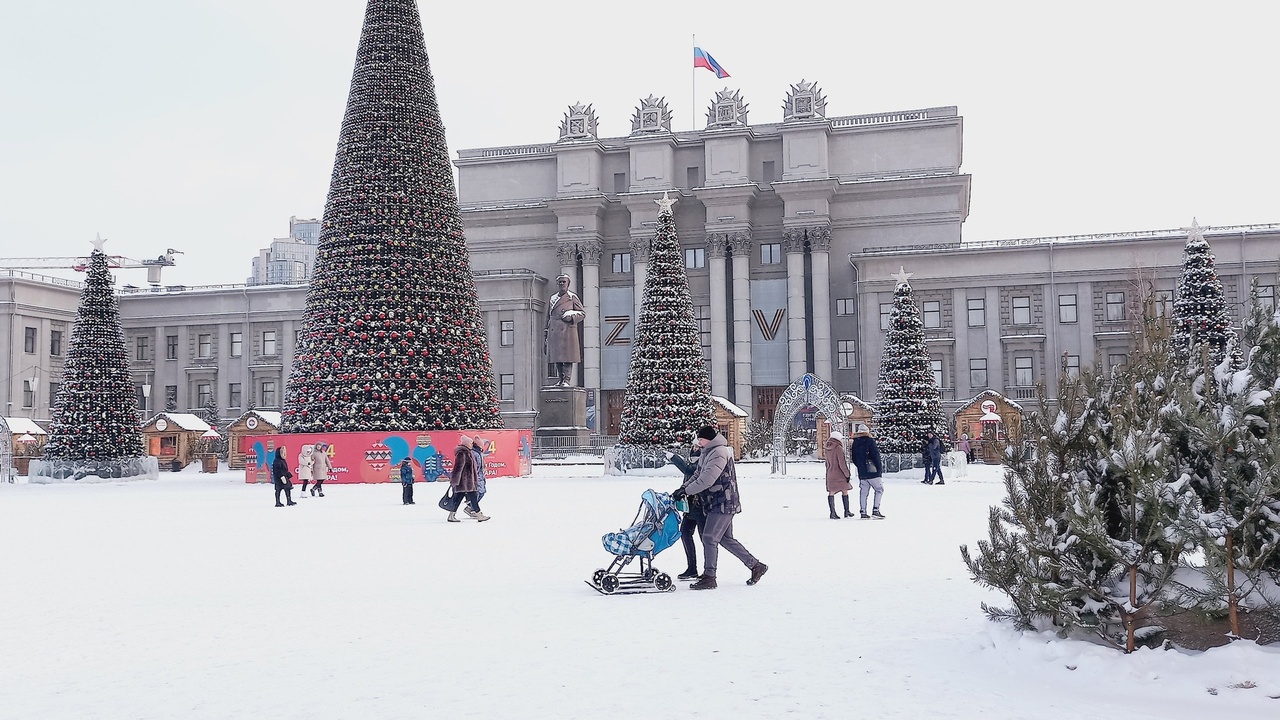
715, 482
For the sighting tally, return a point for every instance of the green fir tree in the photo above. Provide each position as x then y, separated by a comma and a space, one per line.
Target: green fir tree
908, 404
1200, 316
392, 337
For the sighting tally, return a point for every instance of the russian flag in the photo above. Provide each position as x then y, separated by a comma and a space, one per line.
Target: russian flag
704, 60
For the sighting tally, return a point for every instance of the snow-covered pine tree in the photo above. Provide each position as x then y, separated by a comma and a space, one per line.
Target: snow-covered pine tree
668, 392
95, 415
211, 414
1200, 314
392, 337
908, 404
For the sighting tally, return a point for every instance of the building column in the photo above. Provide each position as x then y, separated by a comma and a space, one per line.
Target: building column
719, 315
793, 244
820, 255
743, 397
592, 251
640, 247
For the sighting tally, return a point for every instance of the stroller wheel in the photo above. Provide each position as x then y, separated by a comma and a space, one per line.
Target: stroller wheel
598, 575
609, 583
662, 582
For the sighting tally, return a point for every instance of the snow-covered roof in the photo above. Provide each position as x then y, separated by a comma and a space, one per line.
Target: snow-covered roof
19, 425
184, 421
985, 394
271, 417
729, 407
855, 400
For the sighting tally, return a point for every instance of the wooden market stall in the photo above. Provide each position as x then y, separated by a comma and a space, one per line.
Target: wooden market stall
732, 421
253, 422
174, 438
21, 440
992, 421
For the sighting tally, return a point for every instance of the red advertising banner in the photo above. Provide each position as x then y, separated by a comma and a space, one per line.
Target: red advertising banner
373, 457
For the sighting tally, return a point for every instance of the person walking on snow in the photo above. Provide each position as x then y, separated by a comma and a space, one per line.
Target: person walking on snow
693, 518
406, 481
304, 466
463, 479
477, 453
866, 460
932, 453
837, 474
716, 482
963, 446
280, 476
320, 468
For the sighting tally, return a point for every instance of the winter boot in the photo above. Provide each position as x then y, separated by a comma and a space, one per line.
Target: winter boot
845, 498
865, 516
831, 503
706, 582
453, 517
690, 574
757, 572
875, 513
479, 516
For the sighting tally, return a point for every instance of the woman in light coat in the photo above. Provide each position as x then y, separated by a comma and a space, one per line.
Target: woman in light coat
304, 465
320, 468
837, 474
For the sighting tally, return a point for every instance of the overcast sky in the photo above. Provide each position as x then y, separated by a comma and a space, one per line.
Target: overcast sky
202, 125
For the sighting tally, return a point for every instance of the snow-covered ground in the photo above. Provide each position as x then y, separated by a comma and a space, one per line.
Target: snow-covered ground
194, 597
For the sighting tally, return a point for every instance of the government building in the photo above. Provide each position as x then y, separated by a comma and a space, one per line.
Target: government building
790, 231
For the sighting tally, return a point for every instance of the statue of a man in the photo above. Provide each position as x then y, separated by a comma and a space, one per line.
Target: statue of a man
564, 312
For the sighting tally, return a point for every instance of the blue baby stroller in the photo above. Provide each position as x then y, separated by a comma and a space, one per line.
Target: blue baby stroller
656, 528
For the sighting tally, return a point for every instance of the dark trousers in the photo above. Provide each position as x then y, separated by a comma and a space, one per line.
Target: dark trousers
288, 492
406, 495
692, 520
932, 469
317, 486
472, 499
304, 484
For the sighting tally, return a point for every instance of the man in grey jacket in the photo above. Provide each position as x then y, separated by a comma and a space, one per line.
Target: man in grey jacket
716, 483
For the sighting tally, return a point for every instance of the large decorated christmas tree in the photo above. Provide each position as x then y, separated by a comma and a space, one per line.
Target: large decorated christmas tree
95, 426
668, 393
907, 401
1200, 317
392, 338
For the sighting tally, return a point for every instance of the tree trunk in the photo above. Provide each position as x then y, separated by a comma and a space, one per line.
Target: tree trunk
1232, 603
1133, 603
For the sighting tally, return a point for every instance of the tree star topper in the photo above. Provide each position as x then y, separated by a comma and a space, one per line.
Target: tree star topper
664, 205
98, 242
901, 276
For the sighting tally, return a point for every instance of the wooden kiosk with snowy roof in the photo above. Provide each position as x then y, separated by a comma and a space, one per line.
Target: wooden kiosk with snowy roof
992, 421
21, 441
173, 438
253, 422
732, 421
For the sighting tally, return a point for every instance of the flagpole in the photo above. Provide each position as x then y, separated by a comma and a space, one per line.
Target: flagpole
693, 90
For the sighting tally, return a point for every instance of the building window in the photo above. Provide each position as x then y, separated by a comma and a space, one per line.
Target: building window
170, 347
141, 396
1066, 308
1022, 375
702, 314
237, 344
692, 175
845, 355
507, 333
233, 395
936, 367
1117, 361
977, 312
144, 347
1266, 297
1071, 364
204, 392
619, 182
622, 262
977, 373
28, 394
53, 393
55, 342
767, 173
268, 394
29, 341
844, 306
1115, 306
507, 387
770, 253
204, 345
933, 314
695, 258
886, 312
268, 342
1021, 310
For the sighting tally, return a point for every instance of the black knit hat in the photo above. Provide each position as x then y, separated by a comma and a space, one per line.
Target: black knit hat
707, 432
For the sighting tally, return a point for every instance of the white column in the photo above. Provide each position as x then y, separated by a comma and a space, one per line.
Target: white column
591, 253
719, 316
820, 255
639, 269
743, 396
793, 244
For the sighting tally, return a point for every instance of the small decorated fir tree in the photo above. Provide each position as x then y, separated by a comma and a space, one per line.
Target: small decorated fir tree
908, 404
1200, 316
668, 392
95, 415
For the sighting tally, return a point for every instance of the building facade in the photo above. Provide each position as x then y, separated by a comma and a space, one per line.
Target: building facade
290, 259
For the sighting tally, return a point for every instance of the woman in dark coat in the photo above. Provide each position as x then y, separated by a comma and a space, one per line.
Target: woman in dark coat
280, 477
694, 518
866, 460
464, 480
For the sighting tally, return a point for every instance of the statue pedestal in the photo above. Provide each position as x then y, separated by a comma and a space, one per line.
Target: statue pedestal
562, 413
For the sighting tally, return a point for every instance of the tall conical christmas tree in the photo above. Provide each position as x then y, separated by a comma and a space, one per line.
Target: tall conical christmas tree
392, 338
668, 394
95, 415
1200, 316
907, 401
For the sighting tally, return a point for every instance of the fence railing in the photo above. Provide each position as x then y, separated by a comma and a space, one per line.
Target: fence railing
552, 447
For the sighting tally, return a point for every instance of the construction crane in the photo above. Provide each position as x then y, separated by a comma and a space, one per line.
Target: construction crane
80, 264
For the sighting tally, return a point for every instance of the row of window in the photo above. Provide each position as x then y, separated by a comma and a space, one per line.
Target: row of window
29, 394
696, 258
267, 395
1023, 373
31, 338
204, 345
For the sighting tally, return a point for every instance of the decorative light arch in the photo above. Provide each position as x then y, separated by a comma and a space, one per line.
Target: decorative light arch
806, 391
